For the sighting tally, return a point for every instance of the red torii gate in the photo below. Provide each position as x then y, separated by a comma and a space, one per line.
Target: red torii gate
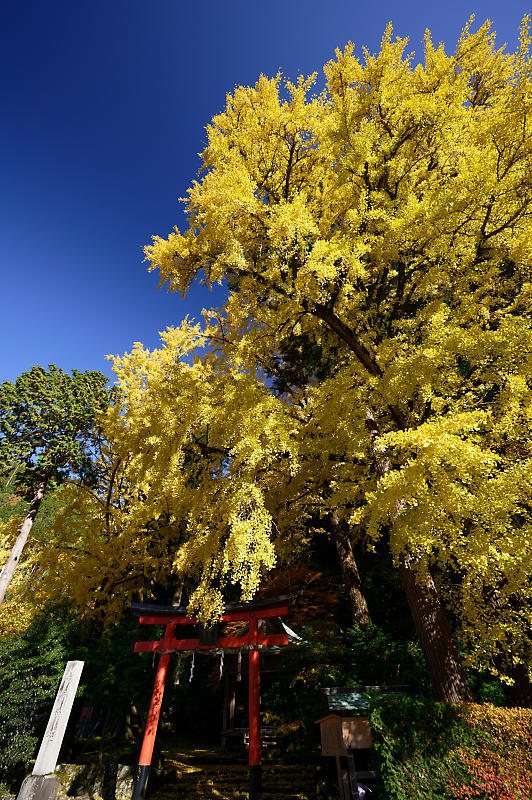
172, 616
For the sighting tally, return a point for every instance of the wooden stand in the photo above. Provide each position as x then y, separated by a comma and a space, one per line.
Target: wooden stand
341, 736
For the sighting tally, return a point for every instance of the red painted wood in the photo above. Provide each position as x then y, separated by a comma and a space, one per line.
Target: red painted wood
165, 620
147, 647
226, 641
273, 639
156, 699
254, 696
232, 616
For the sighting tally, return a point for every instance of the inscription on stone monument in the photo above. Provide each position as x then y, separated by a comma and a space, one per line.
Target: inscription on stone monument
55, 730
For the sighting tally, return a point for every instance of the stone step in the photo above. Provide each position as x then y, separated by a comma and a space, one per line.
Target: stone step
168, 790
184, 772
277, 784
210, 774
243, 777
229, 791
266, 768
222, 780
272, 774
206, 792
280, 782
205, 760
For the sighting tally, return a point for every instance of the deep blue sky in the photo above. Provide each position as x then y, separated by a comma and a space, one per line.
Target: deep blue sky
103, 110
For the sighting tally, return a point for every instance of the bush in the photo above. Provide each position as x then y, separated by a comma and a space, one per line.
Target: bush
433, 751
31, 666
334, 657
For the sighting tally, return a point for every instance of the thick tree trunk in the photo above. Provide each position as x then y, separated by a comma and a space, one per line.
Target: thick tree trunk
14, 557
350, 573
134, 725
446, 671
447, 674
445, 668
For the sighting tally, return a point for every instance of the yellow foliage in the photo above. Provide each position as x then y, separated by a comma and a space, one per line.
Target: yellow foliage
394, 211
387, 224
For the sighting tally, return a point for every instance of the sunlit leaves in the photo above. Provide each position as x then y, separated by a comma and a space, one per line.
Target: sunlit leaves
375, 243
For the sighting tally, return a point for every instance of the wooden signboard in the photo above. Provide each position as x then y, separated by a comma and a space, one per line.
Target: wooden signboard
340, 734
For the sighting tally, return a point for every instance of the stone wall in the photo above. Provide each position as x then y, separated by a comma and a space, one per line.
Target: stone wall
105, 781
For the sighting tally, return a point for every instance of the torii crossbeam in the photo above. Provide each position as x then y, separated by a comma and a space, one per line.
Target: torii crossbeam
171, 616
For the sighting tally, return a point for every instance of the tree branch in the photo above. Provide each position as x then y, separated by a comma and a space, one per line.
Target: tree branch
363, 355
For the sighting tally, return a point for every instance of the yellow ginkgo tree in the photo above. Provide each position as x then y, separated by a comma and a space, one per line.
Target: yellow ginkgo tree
393, 211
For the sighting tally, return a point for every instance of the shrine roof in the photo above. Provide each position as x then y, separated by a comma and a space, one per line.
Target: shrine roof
346, 701
163, 611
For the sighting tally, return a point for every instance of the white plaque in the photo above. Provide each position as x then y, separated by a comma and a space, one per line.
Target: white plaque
55, 730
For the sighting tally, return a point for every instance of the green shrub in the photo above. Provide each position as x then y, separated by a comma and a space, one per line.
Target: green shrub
334, 657
434, 751
31, 666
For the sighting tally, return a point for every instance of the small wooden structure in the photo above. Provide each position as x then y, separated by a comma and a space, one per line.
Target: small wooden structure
345, 731
341, 734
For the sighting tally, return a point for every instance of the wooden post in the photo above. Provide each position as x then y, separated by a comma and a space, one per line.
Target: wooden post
255, 767
340, 778
55, 730
352, 781
150, 733
232, 705
225, 710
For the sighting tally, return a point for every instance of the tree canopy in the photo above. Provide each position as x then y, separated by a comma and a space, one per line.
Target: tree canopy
393, 210
48, 430
48, 420
373, 356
